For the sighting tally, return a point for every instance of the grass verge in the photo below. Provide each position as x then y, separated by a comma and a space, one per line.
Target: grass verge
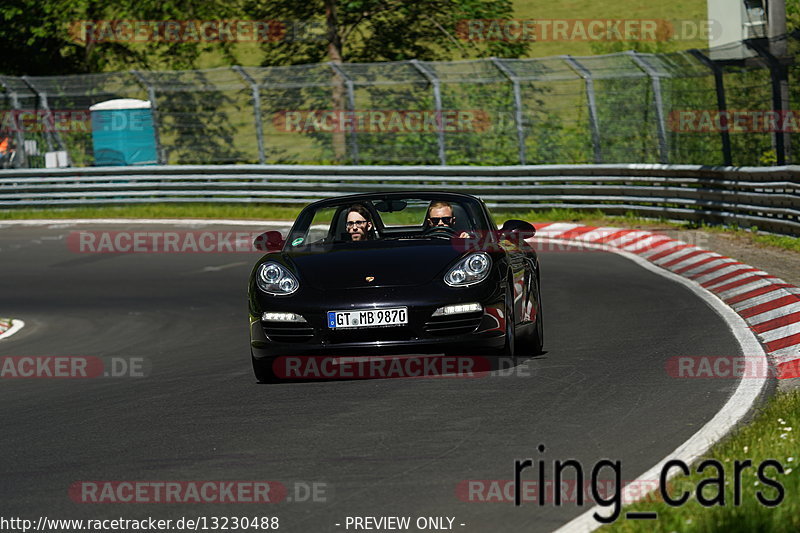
287, 212
189, 210
771, 435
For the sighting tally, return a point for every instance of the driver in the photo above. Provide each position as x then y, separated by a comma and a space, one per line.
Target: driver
441, 214
359, 223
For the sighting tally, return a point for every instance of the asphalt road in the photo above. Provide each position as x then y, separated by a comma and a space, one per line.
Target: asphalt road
391, 447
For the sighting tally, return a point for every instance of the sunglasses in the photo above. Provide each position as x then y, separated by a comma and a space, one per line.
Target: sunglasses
446, 220
359, 223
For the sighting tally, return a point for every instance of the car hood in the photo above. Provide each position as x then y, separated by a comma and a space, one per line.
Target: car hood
390, 263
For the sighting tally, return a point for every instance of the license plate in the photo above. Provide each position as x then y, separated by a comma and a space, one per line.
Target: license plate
368, 318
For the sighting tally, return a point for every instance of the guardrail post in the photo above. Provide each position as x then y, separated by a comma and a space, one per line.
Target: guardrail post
262, 158
151, 95
21, 157
517, 106
655, 79
351, 101
722, 106
780, 75
437, 102
49, 114
584, 73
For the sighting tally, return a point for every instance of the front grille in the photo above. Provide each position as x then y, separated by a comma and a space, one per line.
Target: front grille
459, 324
394, 333
287, 331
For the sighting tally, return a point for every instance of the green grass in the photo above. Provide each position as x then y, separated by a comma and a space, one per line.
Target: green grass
212, 211
773, 434
777, 241
285, 212
675, 10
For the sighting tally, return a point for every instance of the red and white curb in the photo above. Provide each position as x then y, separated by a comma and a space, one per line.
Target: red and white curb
9, 326
769, 305
734, 290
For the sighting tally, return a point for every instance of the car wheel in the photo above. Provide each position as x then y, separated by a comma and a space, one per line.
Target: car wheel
537, 337
509, 347
262, 368
534, 336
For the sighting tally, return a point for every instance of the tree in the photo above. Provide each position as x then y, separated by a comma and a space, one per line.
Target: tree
34, 42
374, 31
379, 30
48, 37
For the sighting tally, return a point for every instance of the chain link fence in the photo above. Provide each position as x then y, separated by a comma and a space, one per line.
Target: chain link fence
720, 106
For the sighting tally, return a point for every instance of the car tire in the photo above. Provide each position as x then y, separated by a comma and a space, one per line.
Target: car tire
262, 368
534, 339
537, 340
509, 348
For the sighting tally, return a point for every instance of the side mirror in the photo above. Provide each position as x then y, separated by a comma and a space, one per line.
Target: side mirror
517, 230
269, 241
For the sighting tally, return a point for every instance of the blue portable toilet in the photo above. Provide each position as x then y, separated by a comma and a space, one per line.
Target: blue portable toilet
123, 133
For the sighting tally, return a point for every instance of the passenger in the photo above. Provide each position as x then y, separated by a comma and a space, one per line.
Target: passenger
441, 214
359, 223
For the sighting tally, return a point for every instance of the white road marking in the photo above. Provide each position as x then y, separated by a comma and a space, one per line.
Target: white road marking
623, 239
757, 283
720, 272
16, 325
737, 406
663, 244
705, 266
692, 260
558, 227
758, 300
780, 332
784, 355
778, 312
736, 278
595, 234
672, 256
223, 267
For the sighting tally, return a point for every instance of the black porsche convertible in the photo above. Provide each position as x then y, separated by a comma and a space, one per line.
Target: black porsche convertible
394, 273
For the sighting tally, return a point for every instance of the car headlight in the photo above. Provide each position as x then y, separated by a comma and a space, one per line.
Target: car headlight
273, 278
472, 269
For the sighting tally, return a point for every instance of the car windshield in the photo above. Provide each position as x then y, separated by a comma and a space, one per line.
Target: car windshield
387, 217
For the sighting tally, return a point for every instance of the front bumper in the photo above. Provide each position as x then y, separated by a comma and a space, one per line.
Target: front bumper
476, 333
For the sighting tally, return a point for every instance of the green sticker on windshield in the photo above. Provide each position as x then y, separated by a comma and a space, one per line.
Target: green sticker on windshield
297, 241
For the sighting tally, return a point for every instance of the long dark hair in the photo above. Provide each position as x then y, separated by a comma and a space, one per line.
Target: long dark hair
364, 212
361, 210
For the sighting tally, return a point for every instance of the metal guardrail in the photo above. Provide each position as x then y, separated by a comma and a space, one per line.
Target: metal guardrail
766, 197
